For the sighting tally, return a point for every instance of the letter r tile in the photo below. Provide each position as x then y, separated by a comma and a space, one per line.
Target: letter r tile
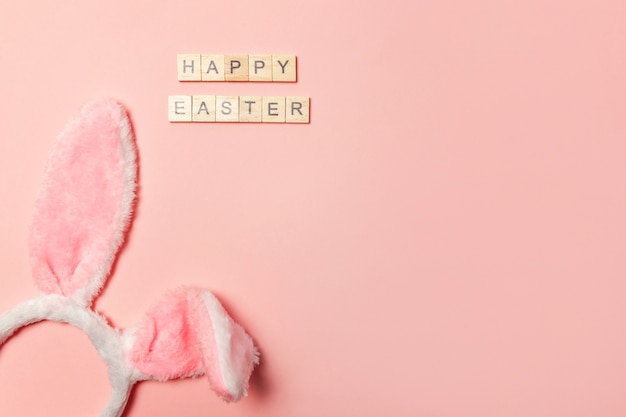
297, 110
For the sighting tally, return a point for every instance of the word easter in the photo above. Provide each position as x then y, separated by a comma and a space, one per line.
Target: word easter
268, 68
259, 109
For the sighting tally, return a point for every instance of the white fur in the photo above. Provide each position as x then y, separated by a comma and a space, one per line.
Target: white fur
222, 330
106, 340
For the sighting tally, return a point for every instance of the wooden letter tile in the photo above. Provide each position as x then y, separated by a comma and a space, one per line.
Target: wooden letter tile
212, 67
297, 110
273, 109
189, 67
227, 109
260, 67
203, 109
250, 108
179, 109
284, 68
236, 67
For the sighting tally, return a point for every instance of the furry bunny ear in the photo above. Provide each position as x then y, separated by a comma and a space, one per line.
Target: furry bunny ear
85, 202
188, 333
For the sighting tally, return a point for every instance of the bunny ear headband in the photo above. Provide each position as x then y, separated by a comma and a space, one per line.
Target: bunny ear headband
81, 216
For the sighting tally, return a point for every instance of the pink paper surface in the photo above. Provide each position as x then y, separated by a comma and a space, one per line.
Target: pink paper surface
446, 238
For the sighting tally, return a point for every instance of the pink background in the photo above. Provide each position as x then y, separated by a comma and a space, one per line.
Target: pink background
446, 238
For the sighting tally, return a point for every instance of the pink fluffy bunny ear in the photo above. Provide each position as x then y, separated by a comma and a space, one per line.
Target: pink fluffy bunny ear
85, 202
188, 333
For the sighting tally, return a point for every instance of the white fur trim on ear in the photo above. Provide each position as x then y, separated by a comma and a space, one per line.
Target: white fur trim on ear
229, 336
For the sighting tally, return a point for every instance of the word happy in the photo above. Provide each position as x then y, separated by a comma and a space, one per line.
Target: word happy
265, 68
